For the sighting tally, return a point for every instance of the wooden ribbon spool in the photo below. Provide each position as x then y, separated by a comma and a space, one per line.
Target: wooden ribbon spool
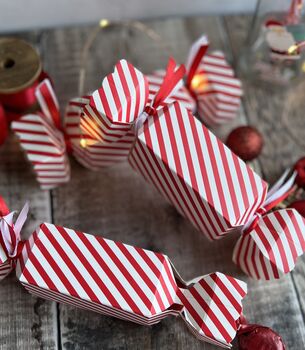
20, 69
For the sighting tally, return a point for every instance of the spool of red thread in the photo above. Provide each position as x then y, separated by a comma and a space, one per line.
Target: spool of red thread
20, 69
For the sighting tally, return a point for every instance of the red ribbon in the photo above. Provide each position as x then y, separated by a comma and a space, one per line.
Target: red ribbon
4, 210
171, 79
265, 209
13, 106
195, 64
3, 207
21, 100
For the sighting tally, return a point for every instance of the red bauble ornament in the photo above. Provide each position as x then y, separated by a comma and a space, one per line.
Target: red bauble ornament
246, 142
3, 126
256, 337
298, 205
300, 168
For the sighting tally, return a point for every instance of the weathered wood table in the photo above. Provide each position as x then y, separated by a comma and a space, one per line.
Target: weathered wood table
118, 204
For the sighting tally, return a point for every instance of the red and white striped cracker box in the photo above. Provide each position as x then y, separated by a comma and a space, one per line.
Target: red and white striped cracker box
127, 282
42, 140
100, 126
9, 237
218, 92
211, 87
196, 172
202, 178
91, 153
271, 248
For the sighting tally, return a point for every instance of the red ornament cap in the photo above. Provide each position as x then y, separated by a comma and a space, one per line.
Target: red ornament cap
246, 142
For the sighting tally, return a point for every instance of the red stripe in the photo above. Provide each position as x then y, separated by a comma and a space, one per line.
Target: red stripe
299, 231
204, 172
177, 162
264, 267
278, 242
287, 230
191, 169
80, 278
229, 179
42, 272
195, 64
128, 276
116, 98
127, 92
210, 314
141, 272
50, 102
88, 265
155, 270
268, 248
109, 273
136, 90
195, 315
253, 257
175, 191
222, 307
216, 174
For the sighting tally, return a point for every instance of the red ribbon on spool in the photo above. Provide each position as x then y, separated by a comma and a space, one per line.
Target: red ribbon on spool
20, 73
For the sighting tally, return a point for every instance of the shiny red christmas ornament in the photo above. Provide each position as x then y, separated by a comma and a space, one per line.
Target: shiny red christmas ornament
298, 205
300, 168
3, 126
246, 142
256, 337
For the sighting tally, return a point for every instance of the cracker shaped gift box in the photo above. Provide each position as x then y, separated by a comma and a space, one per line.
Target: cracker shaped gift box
10, 230
121, 280
189, 166
42, 139
211, 89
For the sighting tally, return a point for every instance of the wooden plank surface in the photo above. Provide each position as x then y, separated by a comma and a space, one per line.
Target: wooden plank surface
279, 115
118, 204
26, 322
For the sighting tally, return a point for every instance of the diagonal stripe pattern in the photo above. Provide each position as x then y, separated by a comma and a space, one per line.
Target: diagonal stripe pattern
180, 94
196, 172
127, 282
41, 139
45, 149
272, 247
94, 154
113, 108
218, 92
212, 307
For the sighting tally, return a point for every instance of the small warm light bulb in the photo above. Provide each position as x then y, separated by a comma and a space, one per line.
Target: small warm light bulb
195, 81
104, 23
83, 143
199, 82
292, 49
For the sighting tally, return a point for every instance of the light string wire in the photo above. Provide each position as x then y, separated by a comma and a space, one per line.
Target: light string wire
100, 28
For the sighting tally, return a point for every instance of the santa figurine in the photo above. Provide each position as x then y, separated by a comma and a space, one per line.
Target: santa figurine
284, 41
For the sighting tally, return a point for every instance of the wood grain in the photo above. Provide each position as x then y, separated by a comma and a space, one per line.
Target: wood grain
279, 115
118, 204
26, 322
